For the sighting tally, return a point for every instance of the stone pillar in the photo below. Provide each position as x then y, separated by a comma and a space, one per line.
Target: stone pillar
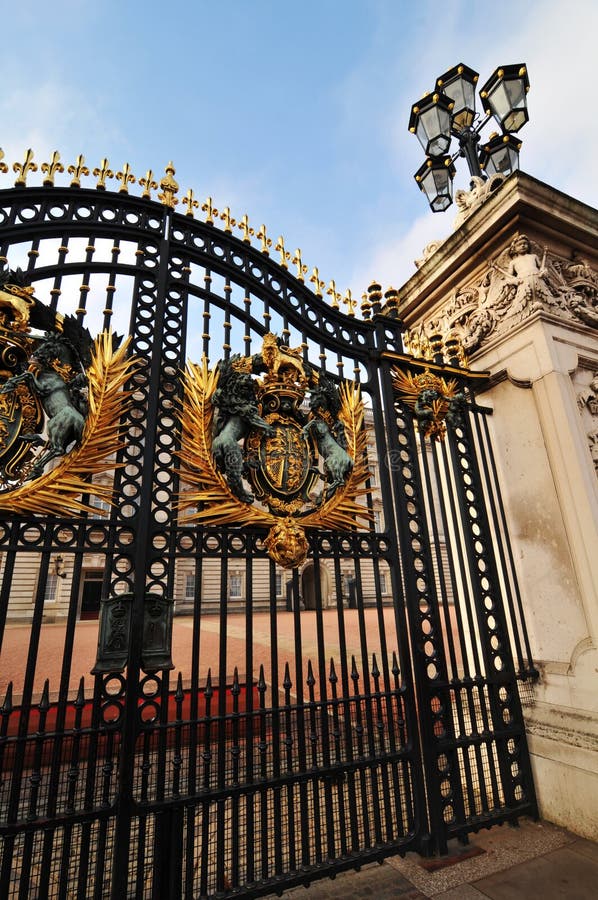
517, 283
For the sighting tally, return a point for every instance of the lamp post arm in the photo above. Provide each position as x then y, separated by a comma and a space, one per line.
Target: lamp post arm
468, 143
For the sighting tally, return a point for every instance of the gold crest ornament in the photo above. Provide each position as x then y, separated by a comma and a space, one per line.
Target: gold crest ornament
61, 397
433, 399
253, 455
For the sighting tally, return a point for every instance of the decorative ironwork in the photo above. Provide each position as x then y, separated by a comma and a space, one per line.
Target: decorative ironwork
114, 638
47, 378
50, 169
78, 170
433, 399
169, 187
287, 747
126, 178
280, 448
102, 173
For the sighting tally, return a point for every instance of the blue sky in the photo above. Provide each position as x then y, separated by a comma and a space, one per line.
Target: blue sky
294, 113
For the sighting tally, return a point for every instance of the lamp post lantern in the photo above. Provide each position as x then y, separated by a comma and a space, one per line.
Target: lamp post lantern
450, 112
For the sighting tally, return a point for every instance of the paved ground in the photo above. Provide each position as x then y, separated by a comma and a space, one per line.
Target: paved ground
536, 861
52, 642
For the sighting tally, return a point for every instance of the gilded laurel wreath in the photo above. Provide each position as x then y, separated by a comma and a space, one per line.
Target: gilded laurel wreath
210, 494
59, 490
433, 399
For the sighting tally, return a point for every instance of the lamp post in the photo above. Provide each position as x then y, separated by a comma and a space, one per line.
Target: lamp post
450, 112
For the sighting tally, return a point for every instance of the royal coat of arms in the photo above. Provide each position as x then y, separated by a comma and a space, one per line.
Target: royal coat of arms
61, 397
268, 440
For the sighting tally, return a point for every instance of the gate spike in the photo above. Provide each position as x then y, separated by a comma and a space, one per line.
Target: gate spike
333, 677
354, 672
80, 698
208, 690
7, 705
311, 680
286, 682
375, 669
44, 703
261, 683
395, 664
236, 687
179, 694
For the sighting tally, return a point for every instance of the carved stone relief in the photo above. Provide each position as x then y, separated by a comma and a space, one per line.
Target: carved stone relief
523, 278
587, 402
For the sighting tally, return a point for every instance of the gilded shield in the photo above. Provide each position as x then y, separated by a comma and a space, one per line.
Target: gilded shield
20, 413
280, 463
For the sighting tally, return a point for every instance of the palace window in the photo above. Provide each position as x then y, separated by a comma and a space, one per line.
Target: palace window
235, 587
190, 583
51, 589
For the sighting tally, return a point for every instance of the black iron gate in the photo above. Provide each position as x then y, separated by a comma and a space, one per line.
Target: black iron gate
361, 704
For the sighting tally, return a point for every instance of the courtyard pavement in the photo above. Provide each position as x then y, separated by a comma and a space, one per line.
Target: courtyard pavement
533, 861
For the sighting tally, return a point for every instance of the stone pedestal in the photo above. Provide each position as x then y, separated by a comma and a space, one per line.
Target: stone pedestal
517, 283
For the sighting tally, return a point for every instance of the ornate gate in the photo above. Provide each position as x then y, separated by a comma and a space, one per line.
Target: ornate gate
342, 683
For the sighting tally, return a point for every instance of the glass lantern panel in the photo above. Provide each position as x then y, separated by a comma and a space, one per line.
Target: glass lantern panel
502, 161
515, 120
434, 130
440, 203
516, 92
462, 93
499, 101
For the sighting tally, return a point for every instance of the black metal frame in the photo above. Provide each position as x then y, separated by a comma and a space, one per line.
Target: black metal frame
315, 761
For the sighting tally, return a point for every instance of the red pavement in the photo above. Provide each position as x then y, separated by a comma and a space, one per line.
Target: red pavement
50, 653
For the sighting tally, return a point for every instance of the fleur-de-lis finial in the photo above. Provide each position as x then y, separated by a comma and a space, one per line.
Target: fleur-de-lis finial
334, 295
209, 210
24, 168
148, 184
350, 303
243, 225
315, 280
77, 171
102, 172
50, 169
169, 187
3, 166
301, 268
229, 222
263, 237
284, 254
190, 202
125, 177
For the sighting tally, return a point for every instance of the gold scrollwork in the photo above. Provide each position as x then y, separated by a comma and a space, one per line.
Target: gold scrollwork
211, 497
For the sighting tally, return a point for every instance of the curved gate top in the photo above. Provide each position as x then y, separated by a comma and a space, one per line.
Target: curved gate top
310, 634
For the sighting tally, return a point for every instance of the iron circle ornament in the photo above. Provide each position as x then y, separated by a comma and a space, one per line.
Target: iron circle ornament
270, 441
61, 398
